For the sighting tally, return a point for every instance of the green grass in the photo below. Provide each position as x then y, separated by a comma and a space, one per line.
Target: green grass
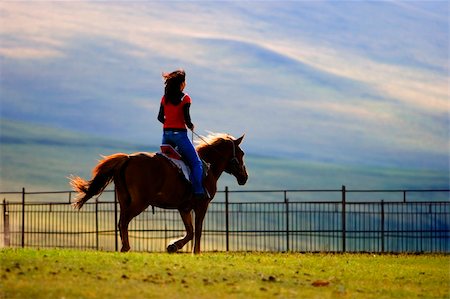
31, 273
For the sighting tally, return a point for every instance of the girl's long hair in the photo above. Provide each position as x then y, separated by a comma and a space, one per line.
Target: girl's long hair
172, 90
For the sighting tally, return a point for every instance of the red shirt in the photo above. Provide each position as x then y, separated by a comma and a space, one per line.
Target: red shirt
174, 114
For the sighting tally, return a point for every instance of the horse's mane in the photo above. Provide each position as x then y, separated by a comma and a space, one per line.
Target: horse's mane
211, 139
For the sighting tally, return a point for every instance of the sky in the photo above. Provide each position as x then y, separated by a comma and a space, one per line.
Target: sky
349, 82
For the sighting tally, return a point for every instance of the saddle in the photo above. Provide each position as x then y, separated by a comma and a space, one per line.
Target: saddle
176, 159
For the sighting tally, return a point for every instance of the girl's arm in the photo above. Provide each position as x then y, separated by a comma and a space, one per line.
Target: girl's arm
161, 114
187, 116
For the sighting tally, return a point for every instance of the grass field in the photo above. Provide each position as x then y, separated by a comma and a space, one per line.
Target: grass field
32, 273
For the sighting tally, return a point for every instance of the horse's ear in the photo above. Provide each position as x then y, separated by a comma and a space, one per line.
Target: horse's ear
239, 140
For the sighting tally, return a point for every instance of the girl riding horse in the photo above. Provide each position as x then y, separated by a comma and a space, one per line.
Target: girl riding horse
175, 116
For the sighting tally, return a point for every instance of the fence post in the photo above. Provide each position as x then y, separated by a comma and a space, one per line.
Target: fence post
286, 202
6, 237
227, 221
96, 223
343, 219
382, 226
23, 218
116, 224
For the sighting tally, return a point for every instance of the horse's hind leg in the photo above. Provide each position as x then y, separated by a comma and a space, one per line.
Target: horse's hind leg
186, 216
125, 215
123, 228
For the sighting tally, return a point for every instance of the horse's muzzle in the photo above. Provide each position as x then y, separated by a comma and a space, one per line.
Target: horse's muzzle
242, 181
242, 177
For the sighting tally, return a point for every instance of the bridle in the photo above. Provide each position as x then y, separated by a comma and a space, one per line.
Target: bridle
234, 162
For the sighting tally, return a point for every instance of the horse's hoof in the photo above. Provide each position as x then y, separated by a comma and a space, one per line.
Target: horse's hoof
172, 248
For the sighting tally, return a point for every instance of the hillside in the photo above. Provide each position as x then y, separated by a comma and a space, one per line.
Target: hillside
41, 158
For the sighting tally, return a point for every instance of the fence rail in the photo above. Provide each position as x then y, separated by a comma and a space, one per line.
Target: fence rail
337, 220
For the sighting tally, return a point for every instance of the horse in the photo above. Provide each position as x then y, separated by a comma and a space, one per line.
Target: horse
144, 179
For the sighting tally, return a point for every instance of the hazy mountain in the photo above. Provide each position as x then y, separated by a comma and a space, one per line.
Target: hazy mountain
41, 158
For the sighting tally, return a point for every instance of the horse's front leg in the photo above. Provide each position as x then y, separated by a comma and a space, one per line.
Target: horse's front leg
187, 220
200, 212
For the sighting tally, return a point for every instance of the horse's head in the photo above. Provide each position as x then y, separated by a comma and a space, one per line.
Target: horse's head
235, 165
224, 150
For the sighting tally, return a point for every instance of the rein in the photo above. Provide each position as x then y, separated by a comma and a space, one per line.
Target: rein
234, 159
199, 136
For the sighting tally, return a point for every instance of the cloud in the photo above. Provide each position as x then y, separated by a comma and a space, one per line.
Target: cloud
421, 88
29, 53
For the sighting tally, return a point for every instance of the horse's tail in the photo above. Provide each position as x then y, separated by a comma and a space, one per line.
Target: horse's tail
102, 175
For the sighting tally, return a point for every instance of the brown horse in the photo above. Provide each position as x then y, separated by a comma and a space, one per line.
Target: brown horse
144, 179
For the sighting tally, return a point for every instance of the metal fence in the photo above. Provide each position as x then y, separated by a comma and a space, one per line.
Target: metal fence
273, 220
